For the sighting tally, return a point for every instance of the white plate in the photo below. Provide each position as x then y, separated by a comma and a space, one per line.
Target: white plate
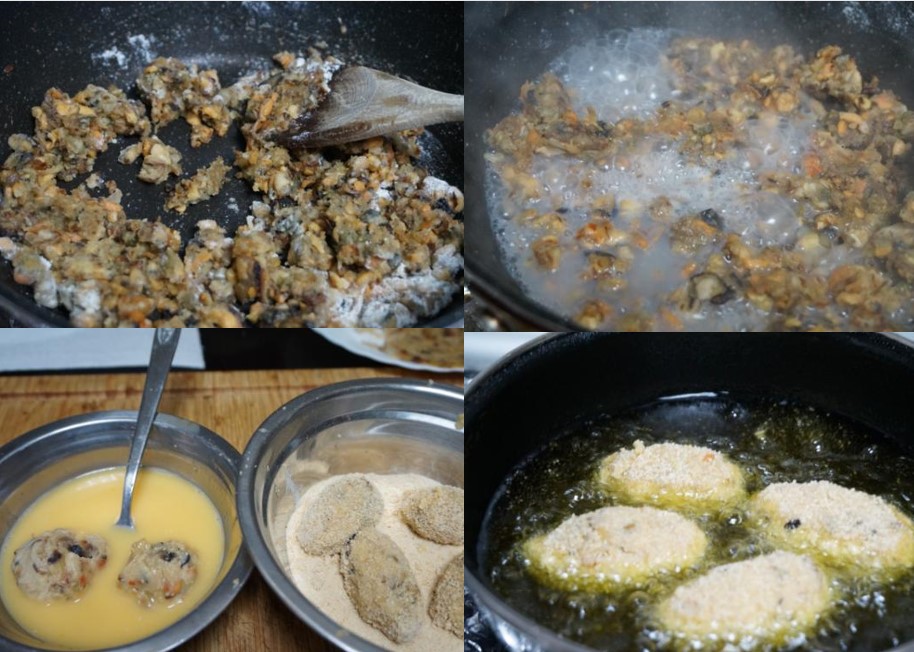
366, 343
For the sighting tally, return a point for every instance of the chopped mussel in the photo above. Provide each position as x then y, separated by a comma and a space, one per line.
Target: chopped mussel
361, 235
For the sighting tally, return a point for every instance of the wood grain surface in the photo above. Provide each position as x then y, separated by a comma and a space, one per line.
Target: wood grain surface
232, 404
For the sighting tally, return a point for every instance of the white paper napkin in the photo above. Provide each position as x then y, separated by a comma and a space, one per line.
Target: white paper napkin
32, 349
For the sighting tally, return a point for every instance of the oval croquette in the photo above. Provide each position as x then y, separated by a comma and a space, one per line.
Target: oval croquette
435, 513
774, 597
614, 546
381, 584
673, 475
841, 527
446, 605
345, 507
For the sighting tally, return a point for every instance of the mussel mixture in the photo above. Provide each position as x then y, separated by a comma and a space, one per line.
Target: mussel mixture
361, 236
664, 183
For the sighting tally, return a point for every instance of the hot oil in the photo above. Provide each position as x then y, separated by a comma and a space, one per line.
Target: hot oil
772, 442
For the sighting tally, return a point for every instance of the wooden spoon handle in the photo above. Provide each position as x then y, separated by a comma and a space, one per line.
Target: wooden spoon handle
364, 103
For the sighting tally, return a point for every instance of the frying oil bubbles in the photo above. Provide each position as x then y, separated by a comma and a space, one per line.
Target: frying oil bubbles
626, 75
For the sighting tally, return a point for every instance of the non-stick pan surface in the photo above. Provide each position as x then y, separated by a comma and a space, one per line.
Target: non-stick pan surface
513, 42
546, 389
70, 45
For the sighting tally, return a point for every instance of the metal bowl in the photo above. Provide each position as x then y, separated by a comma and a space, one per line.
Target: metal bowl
43, 458
362, 426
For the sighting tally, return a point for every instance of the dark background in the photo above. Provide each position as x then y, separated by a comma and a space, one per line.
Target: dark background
274, 349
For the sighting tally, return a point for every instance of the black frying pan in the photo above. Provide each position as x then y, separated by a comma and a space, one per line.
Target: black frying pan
509, 43
542, 391
62, 44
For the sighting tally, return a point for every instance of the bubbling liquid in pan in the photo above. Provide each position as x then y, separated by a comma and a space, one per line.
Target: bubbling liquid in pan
649, 183
621, 75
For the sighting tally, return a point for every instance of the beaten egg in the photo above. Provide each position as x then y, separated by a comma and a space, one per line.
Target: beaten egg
165, 507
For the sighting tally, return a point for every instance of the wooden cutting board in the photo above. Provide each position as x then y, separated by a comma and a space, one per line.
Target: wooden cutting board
232, 404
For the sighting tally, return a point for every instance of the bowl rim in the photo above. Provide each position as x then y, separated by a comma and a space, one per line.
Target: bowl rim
269, 569
215, 603
487, 601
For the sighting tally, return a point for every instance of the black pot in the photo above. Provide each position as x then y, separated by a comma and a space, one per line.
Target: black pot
541, 390
510, 43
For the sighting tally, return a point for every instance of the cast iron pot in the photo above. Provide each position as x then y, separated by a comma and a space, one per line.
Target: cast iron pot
70, 45
513, 42
543, 389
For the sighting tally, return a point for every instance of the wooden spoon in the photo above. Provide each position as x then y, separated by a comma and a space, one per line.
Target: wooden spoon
364, 103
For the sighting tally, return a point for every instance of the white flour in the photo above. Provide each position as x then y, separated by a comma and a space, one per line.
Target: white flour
855, 15
142, 47
138, 51
396, 299
111, 55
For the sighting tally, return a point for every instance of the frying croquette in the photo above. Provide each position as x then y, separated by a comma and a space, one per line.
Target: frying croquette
343, 508
673, 475
772, 597
841, 527
614, 546
58, 565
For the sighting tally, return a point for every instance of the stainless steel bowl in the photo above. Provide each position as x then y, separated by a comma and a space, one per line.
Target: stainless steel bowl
51, 454
362, 426
603, 374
